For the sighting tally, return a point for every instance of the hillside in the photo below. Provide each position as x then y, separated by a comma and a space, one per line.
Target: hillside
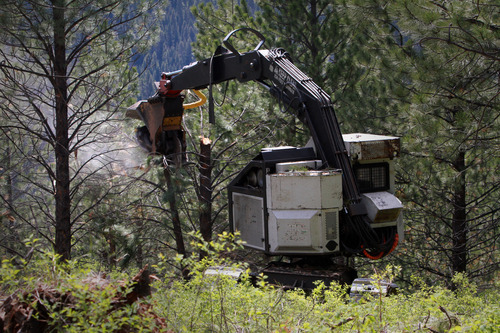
173, 50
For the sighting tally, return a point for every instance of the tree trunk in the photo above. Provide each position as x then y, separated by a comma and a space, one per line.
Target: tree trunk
176, 221
8, 177
313, 47
12, 238
459, 223
62, 196
205, 193
139, 254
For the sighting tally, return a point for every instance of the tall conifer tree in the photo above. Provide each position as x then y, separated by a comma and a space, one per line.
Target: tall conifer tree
65, 71
344, 47
452, 61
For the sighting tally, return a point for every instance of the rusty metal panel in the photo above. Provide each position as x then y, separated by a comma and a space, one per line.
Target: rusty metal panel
362, 146
152, 116
372, 150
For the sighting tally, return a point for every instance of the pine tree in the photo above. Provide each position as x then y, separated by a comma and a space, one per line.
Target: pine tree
173, 49
65, 72
344, 47
451, 60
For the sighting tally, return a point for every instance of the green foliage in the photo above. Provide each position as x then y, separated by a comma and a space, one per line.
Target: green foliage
216, 253
71, 297
95, 310
450, 169
61, 135
172, 48
219, 303
443, 97
345, 49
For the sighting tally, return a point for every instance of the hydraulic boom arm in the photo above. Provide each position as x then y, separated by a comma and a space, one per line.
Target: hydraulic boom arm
274, 70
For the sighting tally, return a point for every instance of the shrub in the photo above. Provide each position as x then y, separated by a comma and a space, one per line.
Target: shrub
47, 295
74, 298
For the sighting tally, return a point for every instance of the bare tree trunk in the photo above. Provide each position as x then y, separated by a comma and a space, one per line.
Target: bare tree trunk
8, 177
139, 256
176, 221
459, 222
12, 238
205, 193
62, 196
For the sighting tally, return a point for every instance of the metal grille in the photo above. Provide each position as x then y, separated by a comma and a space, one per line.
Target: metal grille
372, 177
331, 226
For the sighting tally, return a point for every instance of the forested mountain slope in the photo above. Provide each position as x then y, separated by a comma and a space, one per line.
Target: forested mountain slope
173, 51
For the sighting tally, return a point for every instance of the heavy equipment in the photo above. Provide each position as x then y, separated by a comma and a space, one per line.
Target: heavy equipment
334, 197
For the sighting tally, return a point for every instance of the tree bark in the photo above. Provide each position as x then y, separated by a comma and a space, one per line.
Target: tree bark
205, 192
62, 196
13, 238
459, 222
176, 221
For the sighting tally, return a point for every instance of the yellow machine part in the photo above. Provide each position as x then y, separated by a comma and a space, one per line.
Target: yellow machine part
202, 100
172, 123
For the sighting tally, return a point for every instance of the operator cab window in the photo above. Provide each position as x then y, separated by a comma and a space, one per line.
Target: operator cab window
372, 177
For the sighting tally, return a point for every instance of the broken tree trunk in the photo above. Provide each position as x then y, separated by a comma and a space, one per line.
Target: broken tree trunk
205, 191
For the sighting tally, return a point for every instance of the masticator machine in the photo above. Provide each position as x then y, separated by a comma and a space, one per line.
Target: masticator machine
333, 197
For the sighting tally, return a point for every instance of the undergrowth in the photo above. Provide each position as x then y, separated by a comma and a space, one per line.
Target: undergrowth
219, 303
67, 297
